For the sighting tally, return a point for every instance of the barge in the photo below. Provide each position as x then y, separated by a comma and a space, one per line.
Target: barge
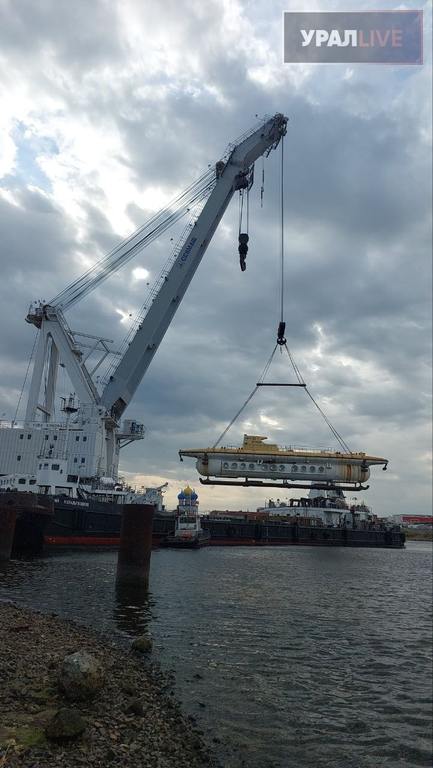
90, 527
92, 517
328, 523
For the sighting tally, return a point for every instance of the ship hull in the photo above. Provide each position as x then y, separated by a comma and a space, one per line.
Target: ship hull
93, 524
34, 513
29, 537
239, 533
177, 542
98, 524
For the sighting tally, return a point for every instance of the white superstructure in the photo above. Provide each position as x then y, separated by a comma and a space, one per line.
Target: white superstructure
327, 507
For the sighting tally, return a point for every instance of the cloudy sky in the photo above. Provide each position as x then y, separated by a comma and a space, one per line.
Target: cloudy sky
111, 108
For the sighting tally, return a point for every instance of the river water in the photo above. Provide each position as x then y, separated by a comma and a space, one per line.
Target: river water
289, 657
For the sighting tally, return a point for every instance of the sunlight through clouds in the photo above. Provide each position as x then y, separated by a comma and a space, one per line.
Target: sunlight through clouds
139, 273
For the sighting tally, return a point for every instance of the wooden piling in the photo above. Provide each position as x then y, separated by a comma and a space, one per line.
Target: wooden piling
133, 561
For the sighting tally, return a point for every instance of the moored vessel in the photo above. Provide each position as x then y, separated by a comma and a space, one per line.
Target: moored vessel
73, 457
188, 532
80, 513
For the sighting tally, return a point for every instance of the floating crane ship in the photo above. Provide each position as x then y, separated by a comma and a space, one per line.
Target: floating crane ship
75, 460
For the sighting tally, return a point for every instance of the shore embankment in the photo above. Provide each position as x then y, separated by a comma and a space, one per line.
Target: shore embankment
132, 720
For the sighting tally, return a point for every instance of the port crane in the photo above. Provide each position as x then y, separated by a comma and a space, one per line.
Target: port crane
94, 431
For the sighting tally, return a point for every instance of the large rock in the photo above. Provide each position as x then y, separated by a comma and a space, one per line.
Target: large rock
135, 707
142, 644
66, 724
81, 676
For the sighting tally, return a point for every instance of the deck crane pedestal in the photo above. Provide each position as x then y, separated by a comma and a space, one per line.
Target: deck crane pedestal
89, 445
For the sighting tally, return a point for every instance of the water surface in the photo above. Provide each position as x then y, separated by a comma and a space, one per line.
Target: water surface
292, 657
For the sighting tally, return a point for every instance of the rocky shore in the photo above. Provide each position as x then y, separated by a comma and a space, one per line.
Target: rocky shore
129, 720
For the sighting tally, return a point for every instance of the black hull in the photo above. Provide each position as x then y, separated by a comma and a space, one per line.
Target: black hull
33, 515
172, 543
93, 523
29, 534
277, 533
195, 542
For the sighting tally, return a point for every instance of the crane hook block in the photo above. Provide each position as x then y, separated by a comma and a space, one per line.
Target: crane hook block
280, 336
243, 249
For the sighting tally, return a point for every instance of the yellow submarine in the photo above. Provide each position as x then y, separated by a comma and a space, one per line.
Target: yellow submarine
262, 464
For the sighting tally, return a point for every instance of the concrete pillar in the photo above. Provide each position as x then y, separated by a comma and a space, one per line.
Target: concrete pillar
8, 516
133, 562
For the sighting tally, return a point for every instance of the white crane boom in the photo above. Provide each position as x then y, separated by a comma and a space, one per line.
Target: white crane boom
231, 176
93, 437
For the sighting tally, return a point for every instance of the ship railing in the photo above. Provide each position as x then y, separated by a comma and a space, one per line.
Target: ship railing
294, 448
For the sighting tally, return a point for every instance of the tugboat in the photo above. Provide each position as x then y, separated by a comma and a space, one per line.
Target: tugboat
188, 533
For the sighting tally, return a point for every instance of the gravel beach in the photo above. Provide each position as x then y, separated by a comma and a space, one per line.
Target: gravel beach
132, 721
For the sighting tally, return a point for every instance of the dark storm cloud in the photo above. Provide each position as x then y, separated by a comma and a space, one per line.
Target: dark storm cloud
37, 240
78, 34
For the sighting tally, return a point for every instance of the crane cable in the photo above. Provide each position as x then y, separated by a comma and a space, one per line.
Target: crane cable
25, 378
241, 209
282, 325
262, 188
250, 397
282, 233
244, 193
301, 381
152, 293
197, 192
281, 341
